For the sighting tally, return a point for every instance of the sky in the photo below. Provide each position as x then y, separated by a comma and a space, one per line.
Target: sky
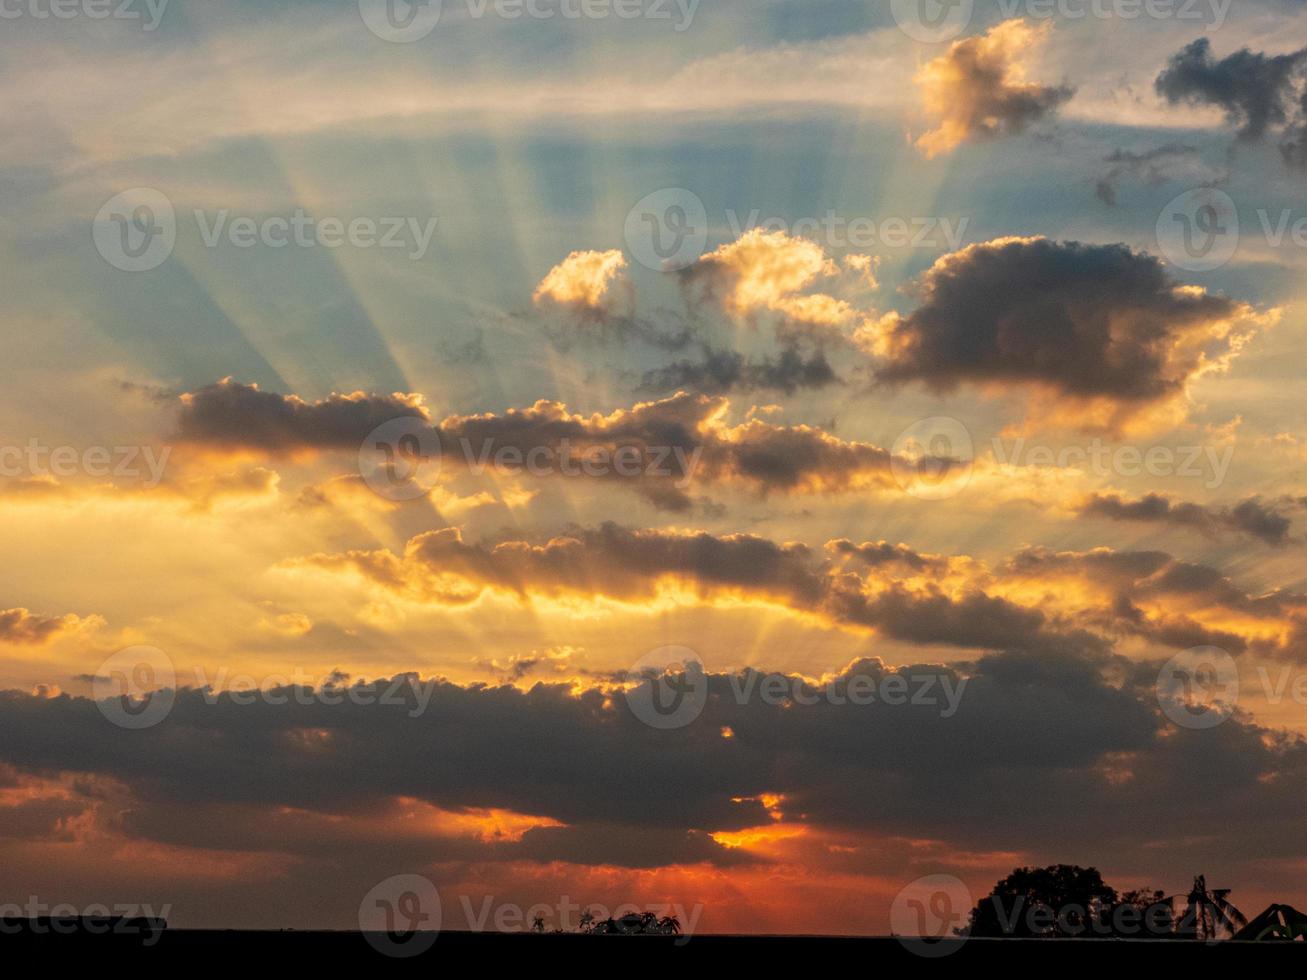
410, 397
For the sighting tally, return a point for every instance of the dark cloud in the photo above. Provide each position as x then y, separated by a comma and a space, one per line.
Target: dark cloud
1259, 93
1252, 516
680, 441
1063, 730
1069, 601
569, 327
1176, 631
1176, 590
879, 554
972, 620
21, 626
1173, 161
719, 371
1090, 322
233, 415
631, 565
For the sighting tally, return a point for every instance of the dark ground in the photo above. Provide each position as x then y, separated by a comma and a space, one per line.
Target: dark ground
343, 950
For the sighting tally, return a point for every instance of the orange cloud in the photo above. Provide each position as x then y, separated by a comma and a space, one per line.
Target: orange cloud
768, 270
19, 626
583, 280
978, 89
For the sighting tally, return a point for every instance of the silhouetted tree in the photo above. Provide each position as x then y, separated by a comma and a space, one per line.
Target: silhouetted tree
636, 924
1061, 900
1208, 914
1143, 912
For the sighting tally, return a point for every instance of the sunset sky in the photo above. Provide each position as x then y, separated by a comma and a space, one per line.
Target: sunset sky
971, 353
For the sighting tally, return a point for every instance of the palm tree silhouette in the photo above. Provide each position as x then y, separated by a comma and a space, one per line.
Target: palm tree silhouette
1207, 915
669, 925
632, 924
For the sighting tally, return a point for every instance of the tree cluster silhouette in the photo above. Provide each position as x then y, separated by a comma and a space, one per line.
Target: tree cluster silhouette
1065, 901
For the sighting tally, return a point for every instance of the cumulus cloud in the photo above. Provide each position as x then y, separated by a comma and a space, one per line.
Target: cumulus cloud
583, 281
1259, 93
681, 439
769, 270
1103, 328
1252, 516
20, 626
763, 275
879, 554
978, 89
588, 297
233, 415
314, 781
772, 277
640, 565
1160, 598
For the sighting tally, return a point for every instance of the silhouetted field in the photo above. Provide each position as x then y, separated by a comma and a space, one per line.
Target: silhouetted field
337, 949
